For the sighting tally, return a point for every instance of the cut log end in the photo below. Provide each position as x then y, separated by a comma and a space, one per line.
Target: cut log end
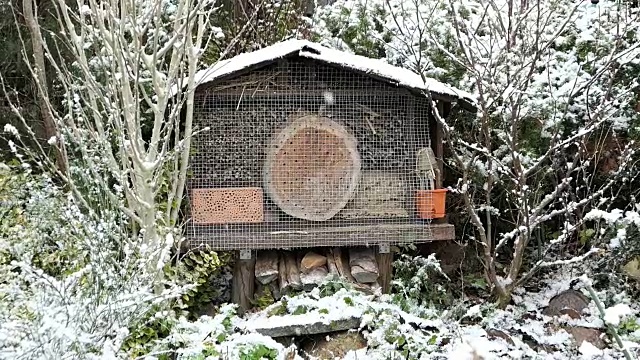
299, 185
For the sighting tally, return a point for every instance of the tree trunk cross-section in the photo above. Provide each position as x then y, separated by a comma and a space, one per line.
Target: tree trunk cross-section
312, 168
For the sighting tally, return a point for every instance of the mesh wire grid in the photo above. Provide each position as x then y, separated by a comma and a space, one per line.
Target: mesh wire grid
302, 154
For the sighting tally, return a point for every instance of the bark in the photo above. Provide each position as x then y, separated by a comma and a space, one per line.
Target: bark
37, 45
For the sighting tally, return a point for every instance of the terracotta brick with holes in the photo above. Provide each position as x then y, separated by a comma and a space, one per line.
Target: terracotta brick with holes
226, 206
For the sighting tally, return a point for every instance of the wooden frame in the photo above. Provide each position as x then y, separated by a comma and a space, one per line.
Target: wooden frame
258, 237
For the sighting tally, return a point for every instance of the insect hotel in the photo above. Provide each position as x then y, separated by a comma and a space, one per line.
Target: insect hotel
313, 162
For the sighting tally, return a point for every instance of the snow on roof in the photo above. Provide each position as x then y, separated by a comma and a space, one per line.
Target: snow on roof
307, 49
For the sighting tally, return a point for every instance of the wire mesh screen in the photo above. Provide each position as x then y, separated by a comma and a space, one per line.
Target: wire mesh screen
302, 154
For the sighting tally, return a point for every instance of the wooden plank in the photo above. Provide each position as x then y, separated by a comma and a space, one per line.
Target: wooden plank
282, 274
293, 270
243, 284
342, 264
266, 237
331, 265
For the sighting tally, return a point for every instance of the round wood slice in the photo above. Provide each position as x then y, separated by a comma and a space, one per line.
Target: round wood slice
312, 168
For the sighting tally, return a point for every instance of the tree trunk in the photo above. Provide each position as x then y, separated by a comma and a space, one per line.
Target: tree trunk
40, 75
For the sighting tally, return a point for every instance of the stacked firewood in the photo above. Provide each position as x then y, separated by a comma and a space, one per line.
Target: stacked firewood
286, 271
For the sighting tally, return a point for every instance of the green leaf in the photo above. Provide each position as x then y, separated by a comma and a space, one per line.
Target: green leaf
348, 301
300, 310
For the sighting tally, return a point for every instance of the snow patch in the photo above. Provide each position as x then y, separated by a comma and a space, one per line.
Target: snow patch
615, 314
589, 351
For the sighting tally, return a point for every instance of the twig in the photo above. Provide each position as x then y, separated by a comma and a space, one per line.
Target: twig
587, 283
372, 115
371, 126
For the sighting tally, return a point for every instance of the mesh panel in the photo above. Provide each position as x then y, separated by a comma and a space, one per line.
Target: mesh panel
327, 155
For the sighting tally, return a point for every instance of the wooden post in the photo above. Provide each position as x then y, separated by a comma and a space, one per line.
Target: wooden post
385, 267
438, 148
444, 108
243, 285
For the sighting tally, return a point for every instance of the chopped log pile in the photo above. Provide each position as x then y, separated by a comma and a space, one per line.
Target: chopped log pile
288, 271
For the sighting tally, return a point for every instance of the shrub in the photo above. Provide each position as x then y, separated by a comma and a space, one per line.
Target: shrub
416, 283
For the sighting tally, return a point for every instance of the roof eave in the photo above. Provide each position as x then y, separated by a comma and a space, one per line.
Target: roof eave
463, 102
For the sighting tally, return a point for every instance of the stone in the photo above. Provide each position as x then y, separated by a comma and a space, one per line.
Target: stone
312, 260
364, 267
266, 267
592, 335
632, 268
362, 275
313, 278
569, 299
572, 313
495, 333
306, 326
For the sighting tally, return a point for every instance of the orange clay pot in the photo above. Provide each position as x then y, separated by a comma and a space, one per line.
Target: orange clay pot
430, 203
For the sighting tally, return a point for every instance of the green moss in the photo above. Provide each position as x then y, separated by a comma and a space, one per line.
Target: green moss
300, 310
280, 309
348, 301
264, 298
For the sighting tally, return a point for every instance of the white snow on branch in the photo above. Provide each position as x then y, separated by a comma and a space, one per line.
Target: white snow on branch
10, 129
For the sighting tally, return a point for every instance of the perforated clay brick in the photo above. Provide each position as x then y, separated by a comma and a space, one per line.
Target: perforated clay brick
227, 206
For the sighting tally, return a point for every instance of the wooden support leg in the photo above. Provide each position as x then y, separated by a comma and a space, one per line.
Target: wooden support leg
443, 109
243, 285
385, 267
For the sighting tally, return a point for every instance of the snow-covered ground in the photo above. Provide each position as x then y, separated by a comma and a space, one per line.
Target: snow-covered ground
521, 331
